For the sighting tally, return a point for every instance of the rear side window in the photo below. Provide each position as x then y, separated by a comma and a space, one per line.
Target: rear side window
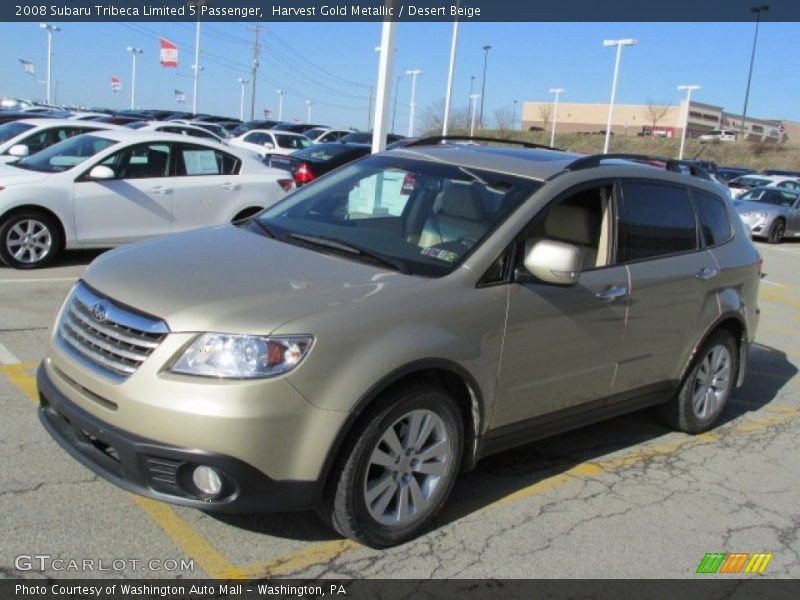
655, 220
199, 160
715, 223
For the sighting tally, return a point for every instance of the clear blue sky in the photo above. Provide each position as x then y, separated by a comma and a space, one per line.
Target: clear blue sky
333, 64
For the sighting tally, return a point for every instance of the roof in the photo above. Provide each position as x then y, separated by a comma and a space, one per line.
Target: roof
524, 162
70, 122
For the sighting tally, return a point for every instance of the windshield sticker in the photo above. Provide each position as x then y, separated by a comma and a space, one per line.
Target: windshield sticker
444, 255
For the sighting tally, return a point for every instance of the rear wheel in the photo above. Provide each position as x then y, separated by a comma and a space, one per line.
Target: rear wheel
398, 470
708, 385
777, 231
29, 239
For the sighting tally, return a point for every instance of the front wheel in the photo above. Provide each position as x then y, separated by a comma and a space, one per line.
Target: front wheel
777, 231
707, 387
29, 240
398, 470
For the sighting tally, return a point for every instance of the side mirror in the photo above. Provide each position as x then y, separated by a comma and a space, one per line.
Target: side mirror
101, 172
554, 262
268, 145
20, 151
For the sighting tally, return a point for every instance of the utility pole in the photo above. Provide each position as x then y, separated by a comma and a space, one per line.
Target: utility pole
369, 112
309, 104
50, 29
755, 10
557, 92
196, 65
688, 89
486, 49
257, 32
134, 52
383, 83
450, 74
281, 94
394, 109
619, 44
473, 98
413, 104
244, 83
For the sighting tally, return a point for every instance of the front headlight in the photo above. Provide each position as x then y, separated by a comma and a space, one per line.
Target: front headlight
755, 215
234, 356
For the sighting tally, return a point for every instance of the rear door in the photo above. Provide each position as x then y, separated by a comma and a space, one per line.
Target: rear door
136, 204
673, 282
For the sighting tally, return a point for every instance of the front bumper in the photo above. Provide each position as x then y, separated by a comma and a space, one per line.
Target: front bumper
162, 471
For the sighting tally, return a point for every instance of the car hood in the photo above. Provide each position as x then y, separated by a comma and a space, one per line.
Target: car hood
11, 175
229, 279
744, 206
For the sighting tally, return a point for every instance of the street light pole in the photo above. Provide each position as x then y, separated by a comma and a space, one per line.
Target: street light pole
473, 101
757, 10
557, 92
50, 30
450, 74
309, 104
483, 85
394, 108
244, 83
688, 89
514, 116
619, 44
281, 94
134, 53
196, 65
413, 104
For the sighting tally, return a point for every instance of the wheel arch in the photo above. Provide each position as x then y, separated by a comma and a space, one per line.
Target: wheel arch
39, 208
734, 323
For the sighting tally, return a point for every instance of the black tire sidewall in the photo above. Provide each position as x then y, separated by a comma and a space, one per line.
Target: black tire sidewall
47, 221
772, 237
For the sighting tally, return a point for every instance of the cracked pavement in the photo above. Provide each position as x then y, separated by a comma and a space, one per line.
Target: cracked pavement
627, 498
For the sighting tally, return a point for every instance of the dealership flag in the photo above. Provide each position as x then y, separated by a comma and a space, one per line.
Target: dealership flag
27, 66
116, 84
169, 53
180, 97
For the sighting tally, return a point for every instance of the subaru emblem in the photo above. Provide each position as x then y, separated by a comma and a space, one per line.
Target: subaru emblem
99, 312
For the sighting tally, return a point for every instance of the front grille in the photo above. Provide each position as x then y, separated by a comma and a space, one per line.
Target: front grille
111, 339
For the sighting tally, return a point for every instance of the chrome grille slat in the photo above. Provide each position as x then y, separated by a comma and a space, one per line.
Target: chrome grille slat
116, 343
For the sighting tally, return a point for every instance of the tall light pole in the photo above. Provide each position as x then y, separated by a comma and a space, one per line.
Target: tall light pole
473, 100
514, 116
483, 85
619, 44
413, 104
394, 108
243, 83
50, 30
383, 82
309, 104
557, 92
757, 10
281, 94
196, 65
689, 89
134, 53
450, 73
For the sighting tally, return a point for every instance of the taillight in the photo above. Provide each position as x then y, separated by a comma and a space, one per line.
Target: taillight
303, 174
286, 184
409, 182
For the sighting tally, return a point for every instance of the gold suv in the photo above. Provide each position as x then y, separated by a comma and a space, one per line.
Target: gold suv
354, 347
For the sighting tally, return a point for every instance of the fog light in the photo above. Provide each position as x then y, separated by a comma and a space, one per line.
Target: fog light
207, 480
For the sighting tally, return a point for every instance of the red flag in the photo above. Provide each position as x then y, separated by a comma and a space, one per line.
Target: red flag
169, 53
116, 84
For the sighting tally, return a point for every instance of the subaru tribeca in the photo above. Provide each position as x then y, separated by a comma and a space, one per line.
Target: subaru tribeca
357, 345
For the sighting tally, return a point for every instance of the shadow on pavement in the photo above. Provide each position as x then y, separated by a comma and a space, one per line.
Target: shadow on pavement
503, 474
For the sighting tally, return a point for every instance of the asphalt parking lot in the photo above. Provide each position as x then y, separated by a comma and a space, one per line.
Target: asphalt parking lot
627, 498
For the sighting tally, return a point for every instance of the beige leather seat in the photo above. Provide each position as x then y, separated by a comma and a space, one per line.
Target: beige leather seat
458, 214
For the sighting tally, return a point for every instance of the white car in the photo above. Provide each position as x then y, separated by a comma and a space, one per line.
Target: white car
29, 136
263, 142
745, 183
87, 115
178, 128
107, 188
718, 135
323, 135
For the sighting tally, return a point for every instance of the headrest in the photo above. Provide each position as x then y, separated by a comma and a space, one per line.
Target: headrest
572, 224
462, 201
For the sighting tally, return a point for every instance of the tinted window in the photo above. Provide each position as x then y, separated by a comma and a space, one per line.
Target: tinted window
292, 141
715, 225
255, 138
199, 160
655, 220
326, 152
66, 154
142, 161
13, 129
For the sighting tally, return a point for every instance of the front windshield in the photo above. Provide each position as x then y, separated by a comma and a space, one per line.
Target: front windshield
420, 217
751, 181
12, 129
767, 196
65, 155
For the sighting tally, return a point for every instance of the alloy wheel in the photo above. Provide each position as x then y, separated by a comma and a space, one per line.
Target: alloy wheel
29, 241
712, 382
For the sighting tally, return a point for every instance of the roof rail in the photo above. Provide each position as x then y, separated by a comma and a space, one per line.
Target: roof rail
670, 164
440, 139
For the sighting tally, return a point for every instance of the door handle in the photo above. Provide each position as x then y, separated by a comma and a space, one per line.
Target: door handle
230, 186
707, 273
612, 293
160, 190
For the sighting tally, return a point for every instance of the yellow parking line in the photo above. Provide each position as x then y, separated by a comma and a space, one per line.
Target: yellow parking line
293, 562
185, 537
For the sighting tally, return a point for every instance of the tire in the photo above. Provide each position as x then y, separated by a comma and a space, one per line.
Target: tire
29, 239
381, 497
701, 399
777, 231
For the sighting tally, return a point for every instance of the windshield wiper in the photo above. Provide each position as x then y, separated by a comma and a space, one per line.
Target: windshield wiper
334, 244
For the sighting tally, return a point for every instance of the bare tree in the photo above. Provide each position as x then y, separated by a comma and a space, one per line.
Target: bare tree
504, 122
546, 113
655, 111
430, 122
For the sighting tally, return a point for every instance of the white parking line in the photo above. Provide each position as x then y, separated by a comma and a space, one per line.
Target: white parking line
773, 283
7, 357
48, 280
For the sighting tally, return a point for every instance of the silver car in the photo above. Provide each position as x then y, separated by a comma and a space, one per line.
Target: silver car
770, 213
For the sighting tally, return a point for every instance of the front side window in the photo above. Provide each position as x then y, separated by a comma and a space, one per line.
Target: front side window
65, 155
715, 224
770, 196
47, 137
295, 142
199, 160
12, 129
420, 217
256, 138
142, 161
655, 220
